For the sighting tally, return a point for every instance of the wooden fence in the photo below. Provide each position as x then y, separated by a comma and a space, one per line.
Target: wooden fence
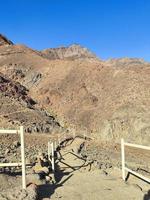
22, 163
52, 145
124, 168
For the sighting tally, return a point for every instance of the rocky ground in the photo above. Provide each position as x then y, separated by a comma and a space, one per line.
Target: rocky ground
86, 170
17, 107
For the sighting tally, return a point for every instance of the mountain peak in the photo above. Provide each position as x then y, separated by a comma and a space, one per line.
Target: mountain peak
72, 52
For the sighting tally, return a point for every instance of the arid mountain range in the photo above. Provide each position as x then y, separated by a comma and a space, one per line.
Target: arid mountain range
74, 89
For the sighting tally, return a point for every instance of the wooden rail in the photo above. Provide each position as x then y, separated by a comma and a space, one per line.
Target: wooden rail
124, 168
22, 163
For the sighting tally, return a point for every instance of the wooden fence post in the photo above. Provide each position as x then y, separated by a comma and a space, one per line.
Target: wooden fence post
55, 145
49, 151
23, 158
123, 158
53, 161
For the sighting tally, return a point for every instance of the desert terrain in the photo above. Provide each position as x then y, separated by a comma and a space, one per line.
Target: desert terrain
69, 91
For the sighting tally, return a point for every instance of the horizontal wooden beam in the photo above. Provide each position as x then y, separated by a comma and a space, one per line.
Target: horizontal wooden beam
10, 164
136, 146
9, 131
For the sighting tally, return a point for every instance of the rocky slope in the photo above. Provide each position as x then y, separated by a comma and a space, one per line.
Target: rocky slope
17, 108
72, 52
4, 40
108, 99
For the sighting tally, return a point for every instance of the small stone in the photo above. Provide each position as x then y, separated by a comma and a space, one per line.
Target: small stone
48, 178
16, 144
7, 151
38, 168
45, 170
28, 161
14, 154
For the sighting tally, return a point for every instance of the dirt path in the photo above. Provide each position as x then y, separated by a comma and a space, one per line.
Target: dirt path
85, 183
76, 179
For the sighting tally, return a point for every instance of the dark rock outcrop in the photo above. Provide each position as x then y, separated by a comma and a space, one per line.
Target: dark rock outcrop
15, 90
17, 108
4, 40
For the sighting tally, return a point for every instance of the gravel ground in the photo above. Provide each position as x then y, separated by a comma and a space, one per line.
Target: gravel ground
96, 158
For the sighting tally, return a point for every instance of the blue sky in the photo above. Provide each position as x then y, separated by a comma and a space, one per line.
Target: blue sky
110, 28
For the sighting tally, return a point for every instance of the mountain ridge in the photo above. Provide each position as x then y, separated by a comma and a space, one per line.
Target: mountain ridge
104, 98
74, 51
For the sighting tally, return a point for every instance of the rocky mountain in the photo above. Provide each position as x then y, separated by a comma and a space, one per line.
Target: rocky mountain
108, 99
72, 52
125, 62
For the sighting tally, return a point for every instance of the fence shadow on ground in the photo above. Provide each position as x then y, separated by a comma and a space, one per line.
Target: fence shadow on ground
45, 191
12, 173
129, 173
147, 196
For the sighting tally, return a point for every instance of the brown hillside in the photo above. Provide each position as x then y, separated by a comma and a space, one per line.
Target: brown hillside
110, 99
17, 108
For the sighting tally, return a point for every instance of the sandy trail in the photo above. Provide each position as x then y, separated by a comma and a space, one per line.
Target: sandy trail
76, 180
85, 183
